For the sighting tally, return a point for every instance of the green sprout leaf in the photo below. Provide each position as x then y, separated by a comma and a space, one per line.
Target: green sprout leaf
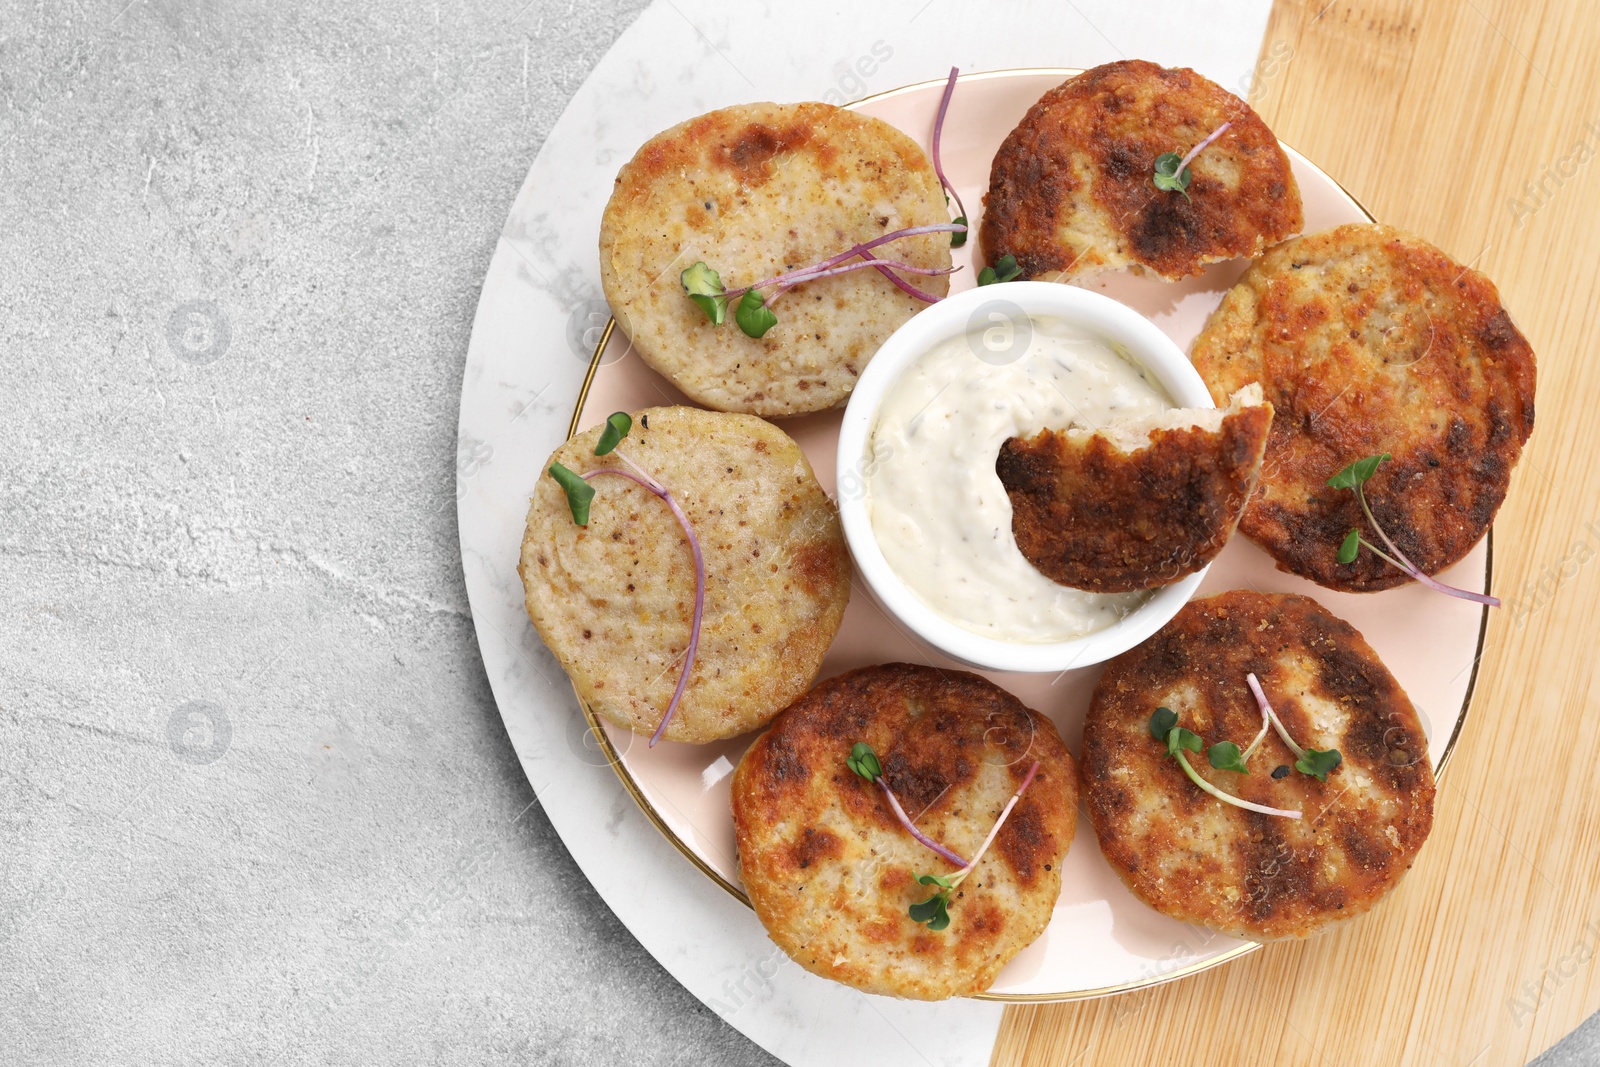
753, 315
1318, 763
705, 288
958, 238
1004, 270
1225, 756
941, 880
1357, 473
1350, 547
935, 911
617, 427
864, 761
1167, 177
1162, 722
579, 492
1180, 738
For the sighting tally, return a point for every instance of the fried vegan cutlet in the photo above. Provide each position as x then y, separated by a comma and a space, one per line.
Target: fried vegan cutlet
614, 600
1140, 503
1201, 860
832, 873
1072, 193
754, 191
1368, 340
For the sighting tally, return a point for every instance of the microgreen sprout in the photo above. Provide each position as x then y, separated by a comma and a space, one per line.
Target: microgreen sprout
618, 425
1318, 763
935, 911
1168, 178
1172, 171
1355, 477
1005, 268
754, 314
580, 494
1225, 756
1164, 727
864, 762
704, 287
960, 238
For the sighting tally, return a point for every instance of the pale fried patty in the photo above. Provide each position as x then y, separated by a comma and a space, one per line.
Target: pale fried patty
755, 191
1071, 189
1140, 503
830, 870
615, 600
1200, 860
1370, 340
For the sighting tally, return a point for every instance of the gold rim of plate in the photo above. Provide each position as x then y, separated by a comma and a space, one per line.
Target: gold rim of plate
628, 783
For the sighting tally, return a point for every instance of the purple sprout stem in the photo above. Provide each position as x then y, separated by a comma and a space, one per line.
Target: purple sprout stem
905, 820
644, 480
1027, 780
804, 273
1266, 718
1201, 147
1398, 559
869, 260
901, 283
1268, 713
938, 130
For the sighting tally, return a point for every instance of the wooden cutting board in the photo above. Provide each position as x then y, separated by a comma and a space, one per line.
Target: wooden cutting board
1442, 117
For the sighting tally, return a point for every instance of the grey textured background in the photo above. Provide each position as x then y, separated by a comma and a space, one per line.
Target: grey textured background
256, 804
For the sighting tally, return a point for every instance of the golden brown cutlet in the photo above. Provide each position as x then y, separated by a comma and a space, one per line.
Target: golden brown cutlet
1367, 340
832, 873
1114, 515
1200, 860
1071, 190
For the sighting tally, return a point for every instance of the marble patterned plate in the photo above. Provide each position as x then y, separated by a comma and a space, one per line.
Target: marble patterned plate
1101, 939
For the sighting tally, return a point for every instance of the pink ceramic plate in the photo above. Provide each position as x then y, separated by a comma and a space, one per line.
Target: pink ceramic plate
1101, 940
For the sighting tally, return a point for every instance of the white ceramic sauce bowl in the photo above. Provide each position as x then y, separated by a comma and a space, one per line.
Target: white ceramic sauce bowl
956, 316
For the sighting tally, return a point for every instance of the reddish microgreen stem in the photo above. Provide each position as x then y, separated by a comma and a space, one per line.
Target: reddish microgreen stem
938, 131
911, 827
1268, 714
1238, 802
1027, 780
870, 261
1201, 147
1266, 717
649, 483
1398, 559
1316, 762
805, 274
901, 283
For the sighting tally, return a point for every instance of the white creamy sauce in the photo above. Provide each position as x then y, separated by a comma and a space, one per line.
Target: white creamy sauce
938, 509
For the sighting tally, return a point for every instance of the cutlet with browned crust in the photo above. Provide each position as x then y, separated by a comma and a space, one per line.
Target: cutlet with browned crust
832, 873
1201, 860
1072, 193
1368, 340
1138, 504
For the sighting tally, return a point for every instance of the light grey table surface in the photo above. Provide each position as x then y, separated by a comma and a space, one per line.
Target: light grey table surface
256, 803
